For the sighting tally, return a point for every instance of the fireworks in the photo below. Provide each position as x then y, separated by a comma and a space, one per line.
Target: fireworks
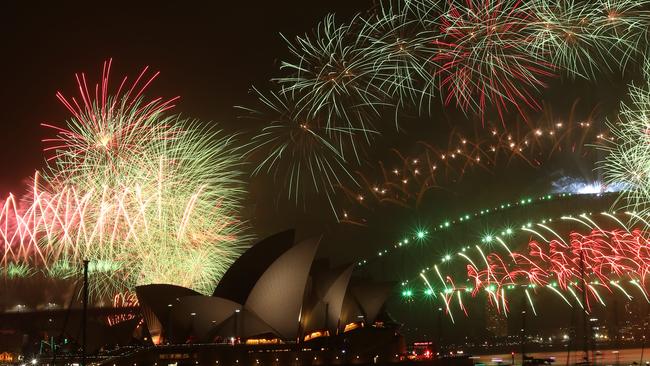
298, 149
488, 58
625, 22
330, 79
478, 55
627, 159
108, 133
599, 260
564, 33
592, 260
483, 61
397, 43
146, 197
405, 180
583, 38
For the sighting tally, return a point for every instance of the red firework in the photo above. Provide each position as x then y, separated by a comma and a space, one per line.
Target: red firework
105, 123
483, 60
584, 262
404, 180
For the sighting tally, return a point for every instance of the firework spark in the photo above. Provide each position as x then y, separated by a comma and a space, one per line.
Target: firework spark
146, 197
593, 259
483, 63
402, 63
584, 39
628, 155
297, 150
330, 78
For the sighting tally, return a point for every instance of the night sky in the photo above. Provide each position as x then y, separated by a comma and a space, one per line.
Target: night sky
211, 53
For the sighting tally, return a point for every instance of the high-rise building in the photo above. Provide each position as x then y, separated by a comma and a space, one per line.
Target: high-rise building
495, 321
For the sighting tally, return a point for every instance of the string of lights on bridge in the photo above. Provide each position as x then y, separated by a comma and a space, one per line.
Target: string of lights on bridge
446, 291
421, 234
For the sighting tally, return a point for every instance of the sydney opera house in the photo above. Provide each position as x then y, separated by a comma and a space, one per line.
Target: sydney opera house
276, 302
273, 296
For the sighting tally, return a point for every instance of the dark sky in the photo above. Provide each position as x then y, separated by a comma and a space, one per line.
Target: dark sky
210, 53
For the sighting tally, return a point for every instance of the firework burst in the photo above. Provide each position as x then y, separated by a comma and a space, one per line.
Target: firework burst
330, 78
483, 63
582, 259
398, 45
146, 197
297, 149
626, 23
629, 152
585, 38
107, 129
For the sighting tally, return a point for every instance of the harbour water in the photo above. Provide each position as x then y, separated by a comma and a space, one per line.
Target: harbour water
631, 356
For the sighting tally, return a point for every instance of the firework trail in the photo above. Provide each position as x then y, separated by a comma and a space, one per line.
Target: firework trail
330, 77
298, 151
628, 154
146, 197
483, 62
405, 179
581, 267
402, 64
